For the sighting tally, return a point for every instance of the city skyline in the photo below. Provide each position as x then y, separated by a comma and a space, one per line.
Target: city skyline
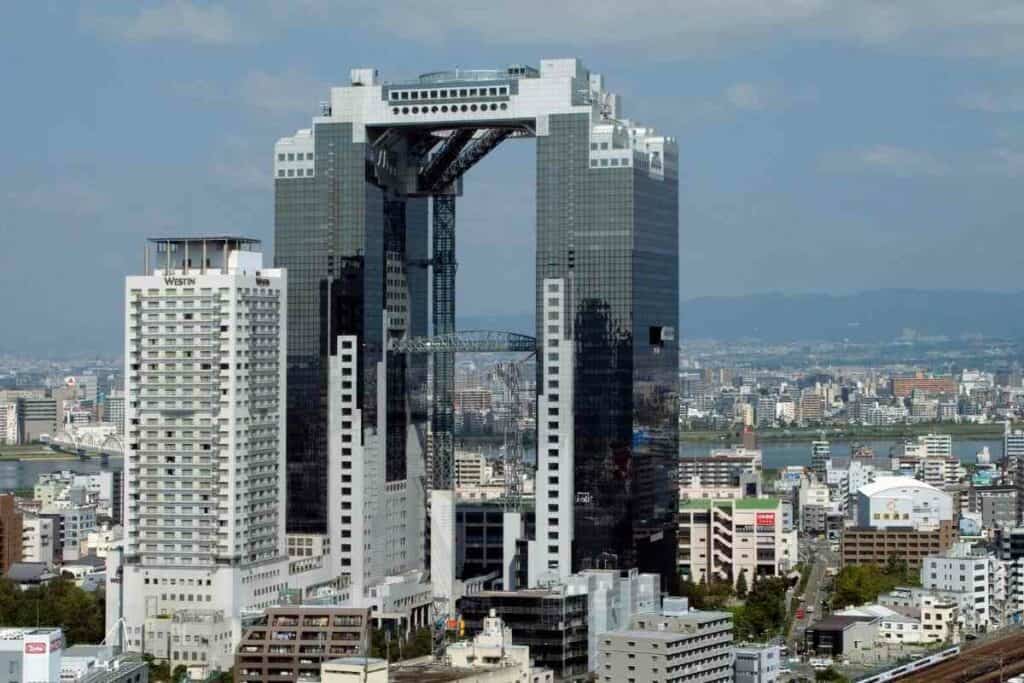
784, 119
547, 343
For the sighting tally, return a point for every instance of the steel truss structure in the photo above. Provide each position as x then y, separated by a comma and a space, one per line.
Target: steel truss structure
466, 341
442, 464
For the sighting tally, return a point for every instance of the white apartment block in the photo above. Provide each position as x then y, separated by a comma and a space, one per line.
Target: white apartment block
471, 469
10, 435
929, 458
113, 411
375, 526
821, 451
75, 522
940, 614
696, 646
551, 552
204, 534
722, 539
39, 537
757, 663
613, 599
958, 571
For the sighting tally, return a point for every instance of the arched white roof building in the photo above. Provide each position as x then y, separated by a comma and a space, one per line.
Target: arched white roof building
902, 502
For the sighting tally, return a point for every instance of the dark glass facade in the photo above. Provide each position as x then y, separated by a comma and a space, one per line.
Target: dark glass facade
479, 539
338, 233
552, 624
612, 234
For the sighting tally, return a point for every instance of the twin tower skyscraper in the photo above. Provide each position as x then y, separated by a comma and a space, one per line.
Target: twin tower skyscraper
365, 226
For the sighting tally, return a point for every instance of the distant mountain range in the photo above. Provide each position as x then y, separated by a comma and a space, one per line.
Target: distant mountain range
875, 315
869, 316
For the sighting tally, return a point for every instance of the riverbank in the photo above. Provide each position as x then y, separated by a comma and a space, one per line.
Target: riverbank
42, 455
851, 433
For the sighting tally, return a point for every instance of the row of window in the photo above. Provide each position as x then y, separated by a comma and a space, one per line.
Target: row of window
444, 109
447, 93
594, 163
294, 173
295, 156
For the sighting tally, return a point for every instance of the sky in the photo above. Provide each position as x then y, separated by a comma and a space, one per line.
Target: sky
825, 145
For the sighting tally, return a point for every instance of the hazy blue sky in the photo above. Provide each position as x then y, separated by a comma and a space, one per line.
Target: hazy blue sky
825, 145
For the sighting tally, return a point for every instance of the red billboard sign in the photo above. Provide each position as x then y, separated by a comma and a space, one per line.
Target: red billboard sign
765, 519
35, 648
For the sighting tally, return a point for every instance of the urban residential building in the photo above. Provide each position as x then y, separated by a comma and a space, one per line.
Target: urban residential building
958, 570
868, 545
722, 468
903, 387
290, 643
11, 533
723, 539
757, 663
821, 451
204, 461
669, 647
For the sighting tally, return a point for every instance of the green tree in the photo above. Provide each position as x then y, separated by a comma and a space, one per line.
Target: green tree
59, 603
418, 644
764, 614
857, 584
159, 672
709, 595
831, 674
741, 585
180, 673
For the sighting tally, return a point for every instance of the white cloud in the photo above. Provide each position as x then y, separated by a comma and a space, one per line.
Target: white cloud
277, 94
889, 159
994, 103
685, 28
695, 27
745, 96
1005, 161
65, 196
176, 20
282, 93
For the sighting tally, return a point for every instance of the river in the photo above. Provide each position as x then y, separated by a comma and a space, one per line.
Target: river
778, 454
22, 474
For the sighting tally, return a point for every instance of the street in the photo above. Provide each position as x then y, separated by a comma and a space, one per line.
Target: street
820, 557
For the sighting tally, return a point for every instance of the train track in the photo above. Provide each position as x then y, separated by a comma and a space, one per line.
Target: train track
988, 663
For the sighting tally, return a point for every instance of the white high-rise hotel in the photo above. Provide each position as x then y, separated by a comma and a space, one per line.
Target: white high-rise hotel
204, 447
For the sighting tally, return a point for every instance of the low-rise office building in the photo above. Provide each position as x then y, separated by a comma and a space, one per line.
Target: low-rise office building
493, 650
721, 468
959, 571
659, 648
841, 636
723, 539
900, 502
552, 622
943, 614
757, 663
290, 643
613, 599
866, 545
